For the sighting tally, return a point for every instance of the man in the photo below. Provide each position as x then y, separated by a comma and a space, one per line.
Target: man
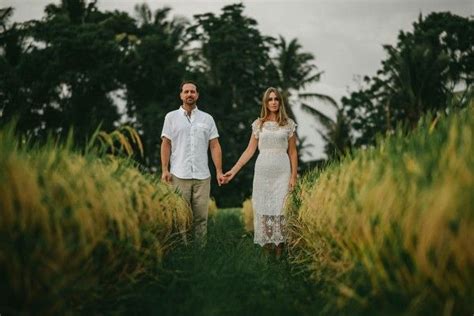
187, 134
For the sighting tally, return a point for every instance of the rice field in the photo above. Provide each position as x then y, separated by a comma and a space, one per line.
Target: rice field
76, 225
387, 230
247, 215
391, 228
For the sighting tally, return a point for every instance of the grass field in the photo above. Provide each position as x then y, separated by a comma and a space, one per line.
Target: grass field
230, 276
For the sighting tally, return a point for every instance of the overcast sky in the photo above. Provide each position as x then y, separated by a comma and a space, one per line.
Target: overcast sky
345, 36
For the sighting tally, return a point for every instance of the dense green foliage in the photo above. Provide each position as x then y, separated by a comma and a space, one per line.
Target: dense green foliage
431, 69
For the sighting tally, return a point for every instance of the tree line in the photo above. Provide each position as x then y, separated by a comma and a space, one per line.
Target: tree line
79, 67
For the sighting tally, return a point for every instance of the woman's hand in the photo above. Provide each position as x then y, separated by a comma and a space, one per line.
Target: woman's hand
292, 184
229, 175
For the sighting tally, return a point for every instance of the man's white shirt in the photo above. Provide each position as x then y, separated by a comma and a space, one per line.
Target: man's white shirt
190, 138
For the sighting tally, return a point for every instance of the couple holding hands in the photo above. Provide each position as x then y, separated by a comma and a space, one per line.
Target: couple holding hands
187, 135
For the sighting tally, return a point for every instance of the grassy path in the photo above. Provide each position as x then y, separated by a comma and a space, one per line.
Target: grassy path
230, 276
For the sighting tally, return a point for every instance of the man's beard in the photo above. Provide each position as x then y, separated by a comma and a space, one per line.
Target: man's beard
191, 102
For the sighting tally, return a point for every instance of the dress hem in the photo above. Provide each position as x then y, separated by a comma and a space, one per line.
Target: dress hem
261, 244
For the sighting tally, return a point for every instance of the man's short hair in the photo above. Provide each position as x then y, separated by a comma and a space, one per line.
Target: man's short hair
188, 82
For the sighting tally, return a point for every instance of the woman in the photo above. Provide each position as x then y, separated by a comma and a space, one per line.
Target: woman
275, 169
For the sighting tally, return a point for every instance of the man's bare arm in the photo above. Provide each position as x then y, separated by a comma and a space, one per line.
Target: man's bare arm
216, 154
165, 151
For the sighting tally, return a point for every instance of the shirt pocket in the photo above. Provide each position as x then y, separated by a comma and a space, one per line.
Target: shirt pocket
202, 130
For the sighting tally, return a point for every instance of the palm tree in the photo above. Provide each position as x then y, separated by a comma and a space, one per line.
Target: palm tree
11, 37
296, 71
416, 74
294, 68
158, 23
336, 132
77, 10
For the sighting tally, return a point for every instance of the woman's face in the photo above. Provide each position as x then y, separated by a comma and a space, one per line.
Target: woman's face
273, 103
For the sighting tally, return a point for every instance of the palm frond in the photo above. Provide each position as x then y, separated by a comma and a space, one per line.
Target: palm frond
143, 13
319, 96
313, 78
5, 16
327, 122
324, 135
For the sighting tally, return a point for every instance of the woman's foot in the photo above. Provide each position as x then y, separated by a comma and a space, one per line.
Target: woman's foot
268, 249
278, 250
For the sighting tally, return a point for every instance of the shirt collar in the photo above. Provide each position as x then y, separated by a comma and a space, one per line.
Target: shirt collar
184, 111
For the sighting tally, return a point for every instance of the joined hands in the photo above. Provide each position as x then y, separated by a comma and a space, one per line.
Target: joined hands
226, 177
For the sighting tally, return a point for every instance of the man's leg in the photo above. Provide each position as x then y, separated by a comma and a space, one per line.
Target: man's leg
200, 205
184, 187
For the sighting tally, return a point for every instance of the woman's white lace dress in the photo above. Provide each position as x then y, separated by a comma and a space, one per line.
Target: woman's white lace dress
270, 181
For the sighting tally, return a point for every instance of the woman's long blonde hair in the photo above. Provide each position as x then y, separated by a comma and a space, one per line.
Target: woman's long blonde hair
282, 117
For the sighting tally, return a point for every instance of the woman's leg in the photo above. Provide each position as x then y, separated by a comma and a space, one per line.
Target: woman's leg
279, 250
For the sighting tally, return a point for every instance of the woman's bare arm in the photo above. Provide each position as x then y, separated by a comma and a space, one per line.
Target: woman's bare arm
244, 158
293, 153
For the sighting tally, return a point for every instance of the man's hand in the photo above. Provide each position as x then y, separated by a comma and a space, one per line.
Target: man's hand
220, 178
166, 176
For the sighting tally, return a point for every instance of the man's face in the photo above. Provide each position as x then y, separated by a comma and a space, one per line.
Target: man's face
188, 94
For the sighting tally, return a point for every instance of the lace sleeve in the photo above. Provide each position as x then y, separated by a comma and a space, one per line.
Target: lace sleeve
256, 128
291, 127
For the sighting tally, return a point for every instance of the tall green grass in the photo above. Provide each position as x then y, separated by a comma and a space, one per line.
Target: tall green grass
392, 227
229, 276
75, 226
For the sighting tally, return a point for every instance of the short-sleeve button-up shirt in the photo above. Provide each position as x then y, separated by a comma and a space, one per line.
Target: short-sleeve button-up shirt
190, 138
